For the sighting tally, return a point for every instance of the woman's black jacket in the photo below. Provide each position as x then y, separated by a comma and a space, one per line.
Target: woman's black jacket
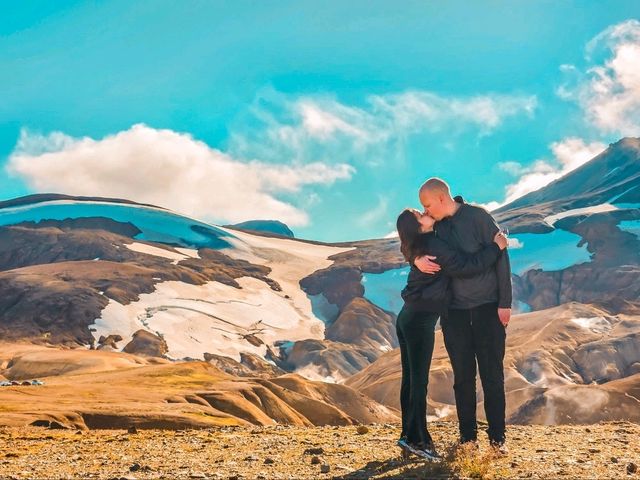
425, 292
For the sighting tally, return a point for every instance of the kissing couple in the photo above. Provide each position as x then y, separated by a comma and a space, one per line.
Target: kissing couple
460, 274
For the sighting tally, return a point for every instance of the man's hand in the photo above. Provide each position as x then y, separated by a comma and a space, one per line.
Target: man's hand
505, 315
425, 264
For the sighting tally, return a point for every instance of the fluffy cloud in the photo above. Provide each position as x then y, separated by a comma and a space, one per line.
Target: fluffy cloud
300, 142
568, 155
169, 169
608, 92
321, 128
416, 111
608, 89
325, 124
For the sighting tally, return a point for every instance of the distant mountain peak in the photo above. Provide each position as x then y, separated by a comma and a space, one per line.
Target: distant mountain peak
268, 226
627, 141
599, 180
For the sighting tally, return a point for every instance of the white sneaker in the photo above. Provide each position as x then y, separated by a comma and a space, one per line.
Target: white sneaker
429, 452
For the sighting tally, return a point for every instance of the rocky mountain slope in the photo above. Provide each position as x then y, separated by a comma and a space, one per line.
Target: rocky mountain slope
611, 178
74, 271
570, 364
577, 238
88, 389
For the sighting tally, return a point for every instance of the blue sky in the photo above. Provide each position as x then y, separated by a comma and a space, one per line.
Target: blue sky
326, 115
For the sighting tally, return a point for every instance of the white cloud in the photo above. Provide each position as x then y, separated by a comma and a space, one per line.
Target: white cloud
425, 111
514, 243
569, 154
514, 168
573, 152
608, 90
490, 206
324, 124
284, 178
303, 129
299, 141
168, 169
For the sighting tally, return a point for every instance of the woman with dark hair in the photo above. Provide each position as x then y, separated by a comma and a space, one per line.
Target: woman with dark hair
426, 298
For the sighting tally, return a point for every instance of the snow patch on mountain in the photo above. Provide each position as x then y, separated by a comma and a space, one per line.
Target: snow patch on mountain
162, 252
155, 224
213, 318
595, 324
220, 319
603, 207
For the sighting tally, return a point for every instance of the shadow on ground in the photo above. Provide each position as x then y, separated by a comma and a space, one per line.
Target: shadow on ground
395, 467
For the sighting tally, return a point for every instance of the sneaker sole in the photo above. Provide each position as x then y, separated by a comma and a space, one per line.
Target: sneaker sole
428, 456
408, 449
404, 449
422, 454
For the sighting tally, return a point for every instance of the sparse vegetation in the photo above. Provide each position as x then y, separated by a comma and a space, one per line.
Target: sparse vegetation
469, 461
608, 450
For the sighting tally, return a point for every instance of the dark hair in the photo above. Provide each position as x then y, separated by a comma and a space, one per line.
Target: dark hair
409, 233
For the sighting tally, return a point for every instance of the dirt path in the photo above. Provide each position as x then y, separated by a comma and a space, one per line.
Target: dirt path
598, 451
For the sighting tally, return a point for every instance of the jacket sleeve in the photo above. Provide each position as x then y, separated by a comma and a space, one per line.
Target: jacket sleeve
455, 263
487, 229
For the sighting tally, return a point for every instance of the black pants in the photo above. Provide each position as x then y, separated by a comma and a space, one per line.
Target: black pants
474, 335
416, 338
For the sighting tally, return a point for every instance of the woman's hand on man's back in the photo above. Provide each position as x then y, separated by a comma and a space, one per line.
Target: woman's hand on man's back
425, 264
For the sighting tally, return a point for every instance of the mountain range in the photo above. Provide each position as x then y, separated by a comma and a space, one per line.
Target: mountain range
107, 298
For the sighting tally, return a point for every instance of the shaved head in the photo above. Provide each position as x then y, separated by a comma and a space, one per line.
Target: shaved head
435, 184
435, 197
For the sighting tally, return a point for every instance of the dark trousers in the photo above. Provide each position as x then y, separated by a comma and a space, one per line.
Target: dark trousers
470, 336
416, 338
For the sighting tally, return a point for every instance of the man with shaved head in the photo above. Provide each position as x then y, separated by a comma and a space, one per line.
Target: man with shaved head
474, 328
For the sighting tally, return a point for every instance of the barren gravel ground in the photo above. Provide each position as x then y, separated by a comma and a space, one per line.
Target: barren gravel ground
610, 450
